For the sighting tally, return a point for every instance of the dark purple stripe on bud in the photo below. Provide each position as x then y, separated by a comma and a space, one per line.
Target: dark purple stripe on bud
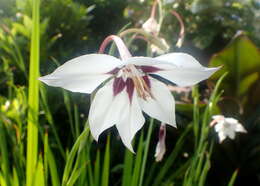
149, 69
118, 85
130, 88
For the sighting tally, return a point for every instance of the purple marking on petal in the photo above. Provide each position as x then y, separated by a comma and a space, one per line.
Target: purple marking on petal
147, 81
149, 69
118, 85
114, 71
130, 88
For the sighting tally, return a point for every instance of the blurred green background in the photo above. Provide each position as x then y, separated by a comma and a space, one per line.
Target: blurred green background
217, 32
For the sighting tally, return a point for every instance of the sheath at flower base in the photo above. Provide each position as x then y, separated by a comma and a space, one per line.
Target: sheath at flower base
129, 88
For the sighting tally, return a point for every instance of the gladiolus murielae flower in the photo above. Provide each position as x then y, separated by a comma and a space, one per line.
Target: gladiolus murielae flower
129, 88
226, 127
151, 26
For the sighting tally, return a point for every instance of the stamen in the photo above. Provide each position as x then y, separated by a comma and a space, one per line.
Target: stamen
142, 88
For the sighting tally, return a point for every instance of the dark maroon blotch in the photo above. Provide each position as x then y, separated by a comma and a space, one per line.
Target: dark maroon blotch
114, 71
130, 88
149, 69
118, 85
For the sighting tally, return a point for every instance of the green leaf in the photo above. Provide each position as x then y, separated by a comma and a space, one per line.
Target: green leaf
128, 166
51, 163
172, 157
72, 155
33, 102
39, 174
233, 178
97, 168
241, 59
15, 180
146, 149
138, 162
4, 154
247, 82
105, 174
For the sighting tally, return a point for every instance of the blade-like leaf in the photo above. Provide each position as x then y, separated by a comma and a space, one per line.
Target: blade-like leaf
241, 58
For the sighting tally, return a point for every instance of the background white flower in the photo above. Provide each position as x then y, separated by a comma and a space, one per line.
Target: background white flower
151, 26
227, 127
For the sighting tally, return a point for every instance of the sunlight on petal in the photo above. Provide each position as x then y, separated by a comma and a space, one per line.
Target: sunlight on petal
100, 110
131, 121
82, 74
179, 68
162, 105
179, 59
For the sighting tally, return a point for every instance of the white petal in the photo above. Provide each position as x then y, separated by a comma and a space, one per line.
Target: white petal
187, 71
240, 128
101, 111
221, 136
142, 61
179, 68
162, 105
82, 74
230, 134
131, 120
180, 60
107, 110
219, 126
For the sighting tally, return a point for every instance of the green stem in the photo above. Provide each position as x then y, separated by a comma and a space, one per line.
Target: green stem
33, 102
151, 38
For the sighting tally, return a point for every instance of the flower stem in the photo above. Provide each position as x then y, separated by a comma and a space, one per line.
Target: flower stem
123, 50
149, 37
182, 28
153, 12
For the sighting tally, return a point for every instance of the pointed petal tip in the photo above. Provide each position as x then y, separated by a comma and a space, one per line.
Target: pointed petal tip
41, 78
95, 136
128, 145
45, 78
216, 68
130, 148
173, 124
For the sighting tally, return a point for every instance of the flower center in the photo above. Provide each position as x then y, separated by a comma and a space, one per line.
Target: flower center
140, 81
132, 78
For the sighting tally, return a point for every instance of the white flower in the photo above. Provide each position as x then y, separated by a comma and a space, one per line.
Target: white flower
129, 88
227, 127
161, 146
151, 26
